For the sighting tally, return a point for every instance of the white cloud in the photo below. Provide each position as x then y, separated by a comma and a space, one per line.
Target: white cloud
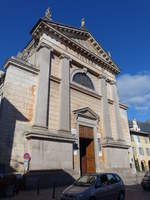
134, 90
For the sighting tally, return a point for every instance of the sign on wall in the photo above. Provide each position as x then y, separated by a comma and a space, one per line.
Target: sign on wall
99, 144
27, 159
74, 132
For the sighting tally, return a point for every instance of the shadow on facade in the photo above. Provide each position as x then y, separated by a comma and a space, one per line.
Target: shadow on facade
47, 179
8, 117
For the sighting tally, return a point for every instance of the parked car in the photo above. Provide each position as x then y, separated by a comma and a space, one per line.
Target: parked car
146, 181
10, 184
103, 186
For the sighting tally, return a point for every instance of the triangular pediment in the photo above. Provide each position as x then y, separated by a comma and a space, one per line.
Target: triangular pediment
79, 39
83, 38
86, 113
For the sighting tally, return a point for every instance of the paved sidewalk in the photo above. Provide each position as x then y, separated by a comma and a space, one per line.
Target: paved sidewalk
137, 193
42, 194
132, 193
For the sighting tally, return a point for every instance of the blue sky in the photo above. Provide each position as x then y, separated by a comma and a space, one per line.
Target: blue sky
121, 27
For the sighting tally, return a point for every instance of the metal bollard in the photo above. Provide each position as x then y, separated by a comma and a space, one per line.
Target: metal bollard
53, 192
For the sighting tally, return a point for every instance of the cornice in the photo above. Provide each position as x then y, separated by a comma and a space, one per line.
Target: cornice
123, 106
44, 27
55, 79
85, 91
41, 133
146, 134
115, 144
21, 64
110, 101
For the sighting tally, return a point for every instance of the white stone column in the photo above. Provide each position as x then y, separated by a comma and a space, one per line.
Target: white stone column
117, 111
105, 110
64, 121
42, 98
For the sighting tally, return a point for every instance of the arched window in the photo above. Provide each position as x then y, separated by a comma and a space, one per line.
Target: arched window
83, 79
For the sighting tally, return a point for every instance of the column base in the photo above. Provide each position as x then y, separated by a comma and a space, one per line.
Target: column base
36, 126
121, 140
115, 144
108, 139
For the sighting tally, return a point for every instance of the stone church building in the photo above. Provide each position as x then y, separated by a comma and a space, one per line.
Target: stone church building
59, 103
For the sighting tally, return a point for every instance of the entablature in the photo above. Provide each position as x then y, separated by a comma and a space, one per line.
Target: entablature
21, 64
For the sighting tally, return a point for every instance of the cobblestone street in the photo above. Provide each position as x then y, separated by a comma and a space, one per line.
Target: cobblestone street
132, 193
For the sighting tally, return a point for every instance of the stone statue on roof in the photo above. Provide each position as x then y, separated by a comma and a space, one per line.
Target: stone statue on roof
135, 125
82, 23
48, 13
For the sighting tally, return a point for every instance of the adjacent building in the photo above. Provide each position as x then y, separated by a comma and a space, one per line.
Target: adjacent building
140, 141
60, 104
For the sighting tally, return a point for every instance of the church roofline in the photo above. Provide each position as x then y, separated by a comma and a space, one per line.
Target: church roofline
59, 24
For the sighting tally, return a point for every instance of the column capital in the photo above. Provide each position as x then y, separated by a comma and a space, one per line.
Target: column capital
44, 45
102, 76
65, 56
113, 82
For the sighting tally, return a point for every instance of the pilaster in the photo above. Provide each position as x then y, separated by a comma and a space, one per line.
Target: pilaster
105, 110
42, 98
117, 111
64, 121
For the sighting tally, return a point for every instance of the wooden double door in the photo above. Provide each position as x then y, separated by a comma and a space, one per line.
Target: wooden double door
87, 154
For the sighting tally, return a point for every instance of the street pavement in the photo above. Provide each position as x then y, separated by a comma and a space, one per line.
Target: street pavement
132, 193
137, 193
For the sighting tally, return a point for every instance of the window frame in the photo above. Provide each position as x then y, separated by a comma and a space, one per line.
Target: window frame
141, 152
148, 151
88, 79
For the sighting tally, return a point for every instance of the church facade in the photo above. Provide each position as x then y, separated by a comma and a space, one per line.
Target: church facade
60, 104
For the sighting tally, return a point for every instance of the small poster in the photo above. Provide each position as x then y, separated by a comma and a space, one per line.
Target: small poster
74, 132
26, 165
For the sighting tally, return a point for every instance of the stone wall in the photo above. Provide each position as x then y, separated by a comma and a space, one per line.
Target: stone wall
54, 105
56, 66
113, 121
50, 155
119, 158
81, 100
125, 126
16, 114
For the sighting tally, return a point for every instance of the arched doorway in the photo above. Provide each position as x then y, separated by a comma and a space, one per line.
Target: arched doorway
149, 165
143, 165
